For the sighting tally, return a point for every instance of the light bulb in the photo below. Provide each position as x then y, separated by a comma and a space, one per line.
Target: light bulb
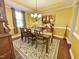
40, 15
35, 15
32, 15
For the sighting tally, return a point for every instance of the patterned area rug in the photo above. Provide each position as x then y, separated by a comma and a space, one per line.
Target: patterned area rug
39, 53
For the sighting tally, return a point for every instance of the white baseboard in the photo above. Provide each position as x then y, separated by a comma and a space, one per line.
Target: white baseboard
20, 52
76, 35
71, 54
16, 36
60, 27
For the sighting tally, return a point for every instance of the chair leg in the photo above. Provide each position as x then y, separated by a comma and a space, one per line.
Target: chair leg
47, 46
28, 39
52, 39
25, 38
42, 47
36, 45
22, 37
32, 41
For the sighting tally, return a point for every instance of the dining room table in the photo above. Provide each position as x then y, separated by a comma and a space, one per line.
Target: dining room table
46, 34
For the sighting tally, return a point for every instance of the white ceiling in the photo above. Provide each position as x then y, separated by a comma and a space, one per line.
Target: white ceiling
40, 3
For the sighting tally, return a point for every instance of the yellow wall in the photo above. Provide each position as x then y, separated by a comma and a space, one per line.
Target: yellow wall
59, 31
75, 1
77, 24
28, 19
75, 47
63, 16
75, 40
29, 23
9, 19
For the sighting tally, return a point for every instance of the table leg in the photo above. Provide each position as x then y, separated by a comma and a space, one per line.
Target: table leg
47, 46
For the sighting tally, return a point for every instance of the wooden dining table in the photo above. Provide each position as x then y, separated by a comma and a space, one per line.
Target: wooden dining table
45, 34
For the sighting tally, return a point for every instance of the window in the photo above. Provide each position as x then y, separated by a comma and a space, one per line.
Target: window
19, 18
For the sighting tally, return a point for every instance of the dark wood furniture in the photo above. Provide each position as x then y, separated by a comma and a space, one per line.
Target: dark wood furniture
6, 46
25, 33
28, 35
22, 33
42, 39
2, 10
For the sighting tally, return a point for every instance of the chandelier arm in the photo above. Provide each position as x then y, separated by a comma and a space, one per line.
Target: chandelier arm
36, 5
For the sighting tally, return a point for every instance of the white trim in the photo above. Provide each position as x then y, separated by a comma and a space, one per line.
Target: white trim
56, 8
63, 28
58, 36
74, 18
20, 52
15, 36
71, 54
76, 35
68, 40
60, 27
69, 29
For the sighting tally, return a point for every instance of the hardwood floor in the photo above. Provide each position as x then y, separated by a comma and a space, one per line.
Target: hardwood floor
63, 52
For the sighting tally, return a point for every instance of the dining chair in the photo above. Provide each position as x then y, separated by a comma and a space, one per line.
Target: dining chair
23, 33
42, 40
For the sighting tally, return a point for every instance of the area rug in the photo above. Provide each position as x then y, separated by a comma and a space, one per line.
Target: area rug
30, 52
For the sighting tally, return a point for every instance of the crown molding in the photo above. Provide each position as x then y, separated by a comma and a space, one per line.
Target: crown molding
12, 3
56, 8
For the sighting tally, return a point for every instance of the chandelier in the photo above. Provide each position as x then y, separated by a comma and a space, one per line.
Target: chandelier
36, 14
